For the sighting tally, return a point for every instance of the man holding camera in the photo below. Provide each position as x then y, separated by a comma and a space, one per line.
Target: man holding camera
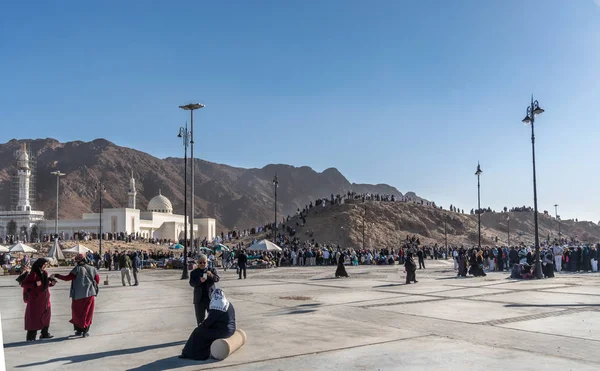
203, 279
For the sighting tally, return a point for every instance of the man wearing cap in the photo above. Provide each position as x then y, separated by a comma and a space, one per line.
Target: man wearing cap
203, 280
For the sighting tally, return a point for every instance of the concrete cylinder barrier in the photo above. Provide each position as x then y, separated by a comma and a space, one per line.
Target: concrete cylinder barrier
223, 348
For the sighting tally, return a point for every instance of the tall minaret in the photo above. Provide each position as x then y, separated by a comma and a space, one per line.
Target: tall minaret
24, 173
132, 192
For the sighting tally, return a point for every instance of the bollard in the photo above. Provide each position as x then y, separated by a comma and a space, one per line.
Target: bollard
106, 281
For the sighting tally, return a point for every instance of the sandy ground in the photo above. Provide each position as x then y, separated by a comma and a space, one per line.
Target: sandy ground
303, 319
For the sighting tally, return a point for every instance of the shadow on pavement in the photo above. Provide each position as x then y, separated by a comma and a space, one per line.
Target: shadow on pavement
171, 363
25, 343
390, 285
111, 353
548, 305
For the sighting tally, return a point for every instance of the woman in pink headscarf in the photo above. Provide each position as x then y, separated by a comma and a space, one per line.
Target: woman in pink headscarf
84, 288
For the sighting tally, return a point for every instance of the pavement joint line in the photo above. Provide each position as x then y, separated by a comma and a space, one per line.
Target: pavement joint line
533, 316
321, 351
400, 303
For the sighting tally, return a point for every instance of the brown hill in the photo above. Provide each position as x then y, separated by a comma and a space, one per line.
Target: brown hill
236, 197
388, 223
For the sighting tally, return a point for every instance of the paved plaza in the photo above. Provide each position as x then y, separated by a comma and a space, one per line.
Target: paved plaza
303, 319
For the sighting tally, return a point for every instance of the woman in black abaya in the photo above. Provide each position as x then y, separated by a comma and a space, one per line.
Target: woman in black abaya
341, 270
219, 324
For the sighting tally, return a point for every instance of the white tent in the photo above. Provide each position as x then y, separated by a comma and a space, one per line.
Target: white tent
3, 248
78, 249
55, 253
264, 245
21, 247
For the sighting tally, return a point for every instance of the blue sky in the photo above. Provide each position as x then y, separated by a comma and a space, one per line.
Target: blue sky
409, 93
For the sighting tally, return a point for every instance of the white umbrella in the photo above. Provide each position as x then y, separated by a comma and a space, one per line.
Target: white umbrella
264, 245
78, 249
21, 247
55, 253
3, 248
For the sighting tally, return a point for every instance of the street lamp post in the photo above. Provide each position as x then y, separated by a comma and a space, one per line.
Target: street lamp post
275, 185
58, 175
191, 107
557, 220
185, 134
363, 227
100, 189
534, 110
446, 234
478, 173
508, 229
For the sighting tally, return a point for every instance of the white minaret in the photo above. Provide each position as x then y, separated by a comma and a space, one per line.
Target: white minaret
132, 193
24, 173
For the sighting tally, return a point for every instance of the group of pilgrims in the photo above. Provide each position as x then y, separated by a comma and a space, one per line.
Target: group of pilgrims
36, 284
215, 315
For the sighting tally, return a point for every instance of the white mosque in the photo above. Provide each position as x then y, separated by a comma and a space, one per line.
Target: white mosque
157, 222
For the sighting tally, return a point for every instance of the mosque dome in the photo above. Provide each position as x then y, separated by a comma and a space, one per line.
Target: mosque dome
160, 204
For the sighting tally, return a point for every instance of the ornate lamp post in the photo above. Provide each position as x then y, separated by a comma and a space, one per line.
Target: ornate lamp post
478, 173
534, 110
58, 175
100, 189
508, 229
446, 234
185, 134
192, 107
275, 185
557, 219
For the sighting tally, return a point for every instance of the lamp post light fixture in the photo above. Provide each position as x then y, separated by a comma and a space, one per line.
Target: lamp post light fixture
478, 173
534, 110
58, 174
100, 189
192, 107
185, 135
557, 219
275, 185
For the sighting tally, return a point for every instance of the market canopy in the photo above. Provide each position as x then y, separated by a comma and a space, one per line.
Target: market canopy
3, 248
264, 245
78, 249
221, 247
21, 247
55, 253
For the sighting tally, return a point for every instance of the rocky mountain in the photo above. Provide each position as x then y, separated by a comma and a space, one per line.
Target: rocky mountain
386, 224
236, 197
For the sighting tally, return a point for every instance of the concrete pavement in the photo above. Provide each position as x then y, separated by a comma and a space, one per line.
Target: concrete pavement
303, 319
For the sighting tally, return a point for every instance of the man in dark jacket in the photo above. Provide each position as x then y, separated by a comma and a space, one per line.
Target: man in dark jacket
421, 260
242, 262
136, 263
513, 257
202, 279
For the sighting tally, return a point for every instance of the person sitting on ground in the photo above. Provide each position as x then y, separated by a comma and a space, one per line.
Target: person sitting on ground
220, 324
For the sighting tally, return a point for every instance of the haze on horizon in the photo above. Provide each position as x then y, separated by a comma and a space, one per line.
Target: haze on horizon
412, 94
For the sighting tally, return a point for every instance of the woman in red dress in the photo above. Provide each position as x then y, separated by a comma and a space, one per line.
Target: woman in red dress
36, 290
84, 288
